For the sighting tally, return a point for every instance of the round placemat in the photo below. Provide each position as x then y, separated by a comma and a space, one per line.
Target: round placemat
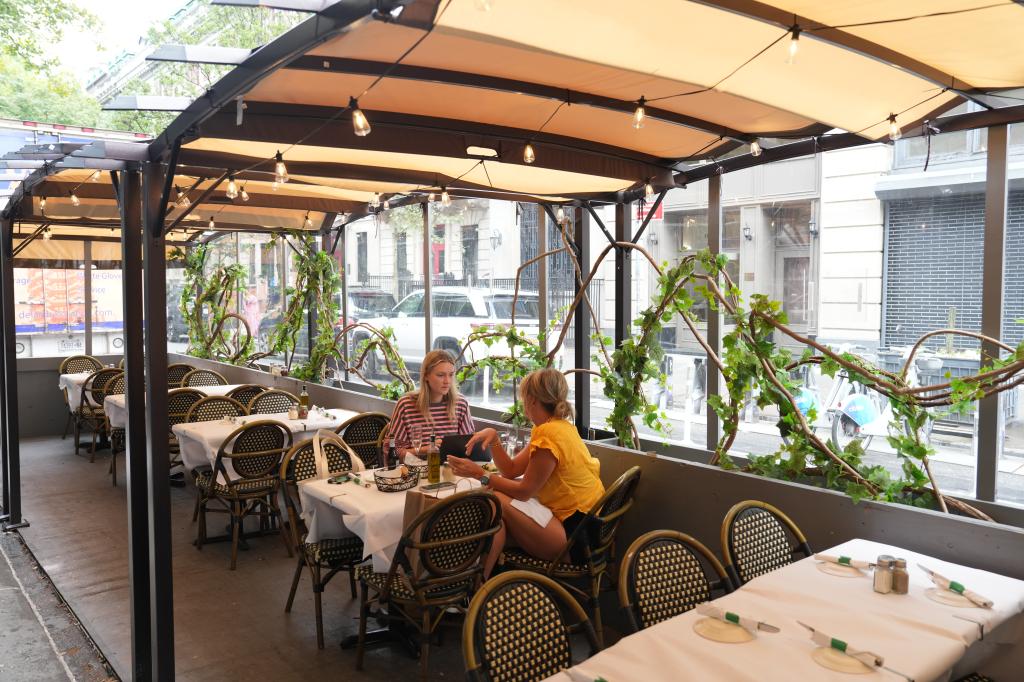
832, 659
948, 597
720, 631
839, 570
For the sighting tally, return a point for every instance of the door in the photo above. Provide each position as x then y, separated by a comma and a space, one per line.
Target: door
795, 288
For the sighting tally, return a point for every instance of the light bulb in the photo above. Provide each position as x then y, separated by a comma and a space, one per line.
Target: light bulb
639, 115
528, 154
232, 190
755, 148
432, 197
387, 205
244, 195
42, 204
212, 224
280, 170
894, 130
182, 198
74, 200
794, 44
560, 216
95, 177
46, 234
648, 191
274, 185
375, 200
360, 126
445, 199
308, 222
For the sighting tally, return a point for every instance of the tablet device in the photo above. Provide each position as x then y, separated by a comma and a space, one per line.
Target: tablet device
456, 445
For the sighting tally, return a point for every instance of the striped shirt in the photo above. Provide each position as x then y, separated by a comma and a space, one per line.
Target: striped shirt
407, 418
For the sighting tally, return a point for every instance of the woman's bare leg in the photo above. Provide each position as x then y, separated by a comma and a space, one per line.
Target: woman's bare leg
543, 543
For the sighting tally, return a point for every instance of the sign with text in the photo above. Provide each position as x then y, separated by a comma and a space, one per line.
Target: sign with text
642, 209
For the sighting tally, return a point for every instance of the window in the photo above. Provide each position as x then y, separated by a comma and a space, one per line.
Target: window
470, 253
451, 305
500, 307
411, 305
362, 272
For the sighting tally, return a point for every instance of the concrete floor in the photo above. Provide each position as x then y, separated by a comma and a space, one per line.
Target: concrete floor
228, 625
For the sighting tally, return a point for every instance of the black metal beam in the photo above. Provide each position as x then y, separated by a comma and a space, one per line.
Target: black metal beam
623, 275
713, 428
6, 225
600, 223
158, 461
650, 214
9, 440
195, 204
200, 54
172, 165
581, 225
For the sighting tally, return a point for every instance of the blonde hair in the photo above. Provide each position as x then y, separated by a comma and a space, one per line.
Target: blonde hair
549, 388
436, 357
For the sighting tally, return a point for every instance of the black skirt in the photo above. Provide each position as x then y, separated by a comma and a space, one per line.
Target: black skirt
578, 552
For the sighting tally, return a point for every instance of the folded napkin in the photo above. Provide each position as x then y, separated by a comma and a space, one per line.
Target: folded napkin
535, 510
413, 460
843, 561
954, 586
868, 658
748, 624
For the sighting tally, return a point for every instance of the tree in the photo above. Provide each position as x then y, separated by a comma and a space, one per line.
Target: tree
31, 95
22, 22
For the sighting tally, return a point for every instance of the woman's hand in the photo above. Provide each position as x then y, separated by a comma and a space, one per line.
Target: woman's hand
466, 468
488, 437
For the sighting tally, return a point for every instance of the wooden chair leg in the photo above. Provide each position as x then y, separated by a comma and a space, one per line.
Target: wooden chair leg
318, 590
595, 607
113, 468
275, 513
76, 433
424, 644
295, 585
236, 524
364, 614
352, 580
201, 532
67, 425
92, 450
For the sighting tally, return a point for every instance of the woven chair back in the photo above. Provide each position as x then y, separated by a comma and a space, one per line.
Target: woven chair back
274, 401
363, 433
256, 449
519, 628
177, 372
299, 464
115, 386
215, 407
245, 393
96, 384
203, 377
665, 573
120, 363
758, 538
77, 364
179, 402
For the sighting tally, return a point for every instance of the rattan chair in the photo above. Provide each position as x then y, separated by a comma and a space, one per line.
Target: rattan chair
326, 557
596, 537
365, 433
177, 372
665, 573
120, 363
90, 413
974, 677
179, 402
246, 392
757, 538
517, 630
75, 364
451, 538
203, 377
254, 451
117, 434
215, 407
273, 401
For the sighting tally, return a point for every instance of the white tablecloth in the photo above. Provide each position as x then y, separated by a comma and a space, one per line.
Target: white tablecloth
340, 510
117, 413
200, 441
915, 635
73, 383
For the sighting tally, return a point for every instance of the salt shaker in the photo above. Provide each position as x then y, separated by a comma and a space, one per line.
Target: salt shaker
883, 574
900, 577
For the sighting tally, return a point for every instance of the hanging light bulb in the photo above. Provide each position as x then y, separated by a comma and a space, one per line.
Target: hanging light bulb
894, 130
280, 170
639, 114
308, 222
46, 234
432, 197
274, 185
375, 200
244, 195
182, 199
648, 191
755, 148
387, 205
74, 200
528, 154
560, 216
446, 200
360, 126
42, 204
212, 224
95, 177
232, 190
794, 44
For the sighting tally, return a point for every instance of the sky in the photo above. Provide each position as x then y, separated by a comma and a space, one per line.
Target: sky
121, 24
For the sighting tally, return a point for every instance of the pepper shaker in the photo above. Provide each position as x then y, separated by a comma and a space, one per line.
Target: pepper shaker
883, 574
900, 577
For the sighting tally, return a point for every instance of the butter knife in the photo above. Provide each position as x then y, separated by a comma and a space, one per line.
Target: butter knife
730, 617
868, 658
953, 586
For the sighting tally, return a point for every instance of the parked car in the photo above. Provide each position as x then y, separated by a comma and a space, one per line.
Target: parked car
362, 302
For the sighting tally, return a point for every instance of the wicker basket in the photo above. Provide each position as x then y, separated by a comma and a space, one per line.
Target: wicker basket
398, 484
419, 469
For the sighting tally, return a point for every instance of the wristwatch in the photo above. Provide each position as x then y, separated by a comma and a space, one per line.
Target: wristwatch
485, 479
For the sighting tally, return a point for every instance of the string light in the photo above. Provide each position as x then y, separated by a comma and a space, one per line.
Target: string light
387, 205
794, 43
375, 200
528, 154
446, 200
755, 148
46, 234
648, 191
274, 185
308, 222
212, 224
639, 114
360, 126
244, 195
432, 197
560, 216
95, 177
280, 170
42, 204
74, 200
182, 199
232, 190
894, 130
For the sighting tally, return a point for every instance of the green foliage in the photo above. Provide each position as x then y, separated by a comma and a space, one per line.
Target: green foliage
383, 341
207, 303
29, 94
25, 24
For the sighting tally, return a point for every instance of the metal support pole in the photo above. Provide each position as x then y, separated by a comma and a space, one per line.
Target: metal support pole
135, 433
159, 516
341, 238
989, 423
582, 320
714, 318
542, 277
623, 276
10, 443
428, 301
311, 316
87, 286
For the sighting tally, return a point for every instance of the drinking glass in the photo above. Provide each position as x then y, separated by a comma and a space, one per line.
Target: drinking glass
416, 437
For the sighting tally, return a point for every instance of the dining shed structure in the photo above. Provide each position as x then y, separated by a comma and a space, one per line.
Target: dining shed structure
579, 109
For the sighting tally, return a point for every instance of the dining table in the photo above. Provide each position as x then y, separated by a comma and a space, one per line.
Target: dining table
73, 384
117, 412
928, 634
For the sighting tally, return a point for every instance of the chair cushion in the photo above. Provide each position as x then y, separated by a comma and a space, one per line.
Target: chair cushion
252, 487
515, 558
335, 551
402, 590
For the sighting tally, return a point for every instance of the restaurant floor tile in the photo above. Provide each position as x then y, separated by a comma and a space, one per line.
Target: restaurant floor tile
229, 625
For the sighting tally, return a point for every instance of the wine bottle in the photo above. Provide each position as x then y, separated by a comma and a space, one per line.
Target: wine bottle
303, 403
433, 461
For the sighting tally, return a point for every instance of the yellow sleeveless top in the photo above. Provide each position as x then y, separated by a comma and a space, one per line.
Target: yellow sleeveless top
575, 484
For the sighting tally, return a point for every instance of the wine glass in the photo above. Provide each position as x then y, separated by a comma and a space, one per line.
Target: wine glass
416, 438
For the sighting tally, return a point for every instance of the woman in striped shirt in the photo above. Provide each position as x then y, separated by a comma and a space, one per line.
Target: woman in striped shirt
435, 409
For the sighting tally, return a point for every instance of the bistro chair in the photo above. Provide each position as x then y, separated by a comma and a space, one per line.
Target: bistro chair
254, 451
90, 413
974, 677
76, 364
246, 392
179, 402
215, 407
203, 377
120, 363
365, 433
520, 627
594, 540
115, 386
665, 573
177, 372
326, 557
273, 401
451, 540
758, 538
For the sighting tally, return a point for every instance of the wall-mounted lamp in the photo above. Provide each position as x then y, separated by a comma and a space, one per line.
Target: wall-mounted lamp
812, 228
748, 234
495, 240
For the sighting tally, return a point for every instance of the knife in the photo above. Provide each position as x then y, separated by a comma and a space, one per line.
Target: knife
953, 586
868, 658
735, 619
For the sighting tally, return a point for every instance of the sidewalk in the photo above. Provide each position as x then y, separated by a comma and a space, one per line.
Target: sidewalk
39, 637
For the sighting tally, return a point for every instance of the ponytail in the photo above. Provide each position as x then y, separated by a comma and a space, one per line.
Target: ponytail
549, 388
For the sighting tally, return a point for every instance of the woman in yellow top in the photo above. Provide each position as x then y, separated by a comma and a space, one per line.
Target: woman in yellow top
555, 467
